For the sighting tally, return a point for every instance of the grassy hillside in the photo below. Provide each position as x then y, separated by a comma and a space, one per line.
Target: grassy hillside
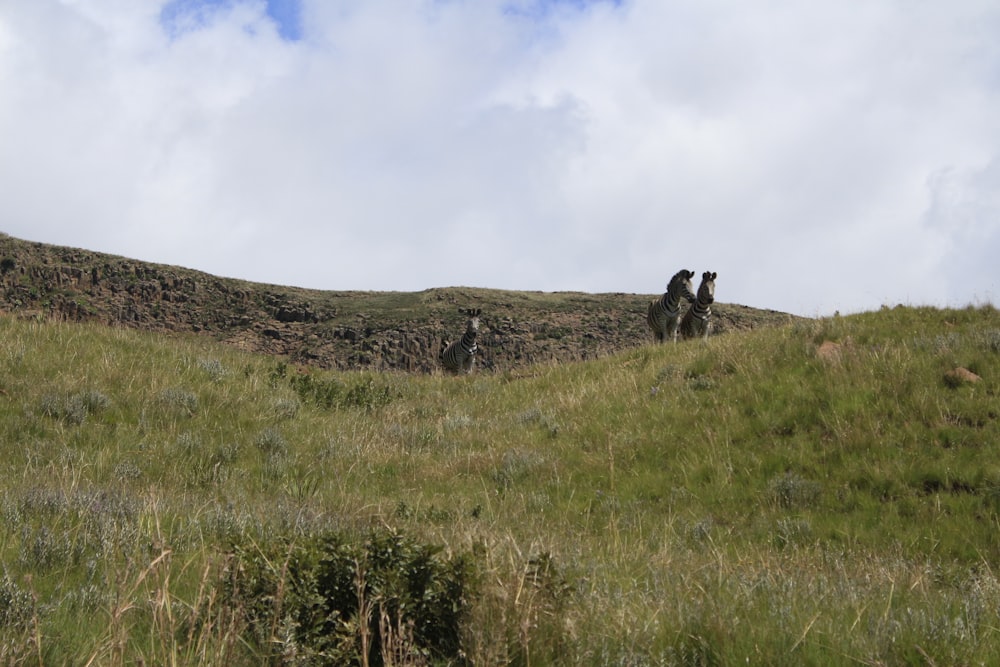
824, 492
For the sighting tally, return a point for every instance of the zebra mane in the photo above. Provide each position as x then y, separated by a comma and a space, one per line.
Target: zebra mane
680, 277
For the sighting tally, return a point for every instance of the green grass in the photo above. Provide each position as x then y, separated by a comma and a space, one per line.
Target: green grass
167, 500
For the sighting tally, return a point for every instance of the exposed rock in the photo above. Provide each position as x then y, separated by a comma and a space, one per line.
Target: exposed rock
331, 329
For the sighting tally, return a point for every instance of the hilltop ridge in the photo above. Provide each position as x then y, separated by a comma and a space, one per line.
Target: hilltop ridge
327, 328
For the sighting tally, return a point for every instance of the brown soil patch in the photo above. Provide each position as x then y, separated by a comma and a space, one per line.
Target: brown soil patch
962, 376
829, 351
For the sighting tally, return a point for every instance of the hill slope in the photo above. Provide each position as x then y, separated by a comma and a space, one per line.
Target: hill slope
826, 492
331, 329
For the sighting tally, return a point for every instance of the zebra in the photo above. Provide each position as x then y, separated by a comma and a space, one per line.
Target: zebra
461, 355
696, 320
664, 314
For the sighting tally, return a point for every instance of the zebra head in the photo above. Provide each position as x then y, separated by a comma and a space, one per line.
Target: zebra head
680, 285
706, 291
472, 326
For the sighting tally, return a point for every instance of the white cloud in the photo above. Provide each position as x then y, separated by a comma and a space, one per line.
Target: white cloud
965, 214
819, 156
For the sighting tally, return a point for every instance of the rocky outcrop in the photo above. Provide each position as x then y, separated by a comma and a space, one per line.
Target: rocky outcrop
328, 329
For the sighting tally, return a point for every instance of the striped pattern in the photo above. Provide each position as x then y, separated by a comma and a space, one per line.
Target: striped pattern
696, 319
664, 314
460, 356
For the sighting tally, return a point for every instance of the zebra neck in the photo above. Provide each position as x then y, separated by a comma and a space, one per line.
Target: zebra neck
469, 343
671, 303
701, 310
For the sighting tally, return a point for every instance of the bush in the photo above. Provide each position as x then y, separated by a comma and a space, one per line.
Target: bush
378, 600
790, 491
75, 408
181, 400
333, 394
17, 606
214, 368
272, 443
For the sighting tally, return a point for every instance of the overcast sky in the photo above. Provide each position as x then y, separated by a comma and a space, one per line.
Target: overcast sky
819, 155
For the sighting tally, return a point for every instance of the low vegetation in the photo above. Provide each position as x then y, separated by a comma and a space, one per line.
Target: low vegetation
824, 492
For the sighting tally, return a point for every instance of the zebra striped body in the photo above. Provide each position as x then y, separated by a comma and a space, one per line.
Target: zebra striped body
664, 314
696, 319
460, 356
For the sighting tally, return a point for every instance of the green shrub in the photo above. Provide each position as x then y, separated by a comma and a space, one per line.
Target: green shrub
331, 393
342, 599
272, 443
791, 491
365, 394
180, 399
17, 607
213, 367
73, 409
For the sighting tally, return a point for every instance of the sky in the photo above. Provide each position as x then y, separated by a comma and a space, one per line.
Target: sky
820, 156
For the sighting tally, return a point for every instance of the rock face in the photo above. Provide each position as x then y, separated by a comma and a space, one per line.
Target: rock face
402, 331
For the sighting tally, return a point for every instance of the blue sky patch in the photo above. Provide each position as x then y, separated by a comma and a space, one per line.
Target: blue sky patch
288, 15
181, 16
541, 8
